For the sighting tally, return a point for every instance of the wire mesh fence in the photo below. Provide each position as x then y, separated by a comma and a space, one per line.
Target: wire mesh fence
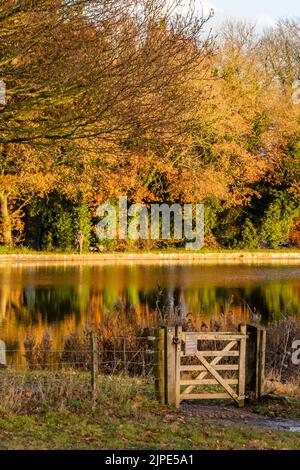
79, 367
138, 360
41, 367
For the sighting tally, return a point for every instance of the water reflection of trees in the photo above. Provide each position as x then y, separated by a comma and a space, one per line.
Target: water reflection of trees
67, 298
51, 304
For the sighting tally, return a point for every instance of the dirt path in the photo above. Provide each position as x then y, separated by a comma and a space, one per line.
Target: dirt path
229, 414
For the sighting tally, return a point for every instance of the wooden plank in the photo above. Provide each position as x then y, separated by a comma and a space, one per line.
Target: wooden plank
214, 362
210, 334
251, 361
261, 363
217, 337
195, 368
160, 366
204, 396
217, 353
208, 382
255, 358
178, 332
2, 354
242, 366
170, 366
215, 374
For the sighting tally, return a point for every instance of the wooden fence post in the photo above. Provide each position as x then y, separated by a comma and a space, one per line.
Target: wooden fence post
255, 361
262, 362
2, 355
242, 366
170, 366
176, 373
160, 366
167, 367
94, 365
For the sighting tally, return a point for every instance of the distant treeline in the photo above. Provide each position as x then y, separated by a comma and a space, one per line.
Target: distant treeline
108, 99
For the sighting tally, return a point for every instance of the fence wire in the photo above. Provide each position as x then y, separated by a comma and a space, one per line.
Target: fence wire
38, 370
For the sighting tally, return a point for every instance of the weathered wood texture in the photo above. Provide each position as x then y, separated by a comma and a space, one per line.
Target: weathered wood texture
160, 365
170, 366
242, 366
233, 387
214, 362
220, 336
178, 343
176, 382
2, 354
255, 361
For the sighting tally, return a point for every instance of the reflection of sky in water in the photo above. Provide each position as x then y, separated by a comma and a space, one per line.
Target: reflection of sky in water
66, 297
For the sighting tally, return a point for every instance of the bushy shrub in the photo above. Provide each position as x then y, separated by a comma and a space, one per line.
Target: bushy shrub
55, 221
249, 236
278, 219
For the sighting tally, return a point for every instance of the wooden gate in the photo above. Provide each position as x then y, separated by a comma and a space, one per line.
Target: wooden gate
210, 365
208, 362
220, 364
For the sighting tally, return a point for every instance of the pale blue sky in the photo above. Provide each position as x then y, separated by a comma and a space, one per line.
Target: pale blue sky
265, 12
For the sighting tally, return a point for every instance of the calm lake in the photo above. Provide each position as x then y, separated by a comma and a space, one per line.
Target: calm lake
66, 297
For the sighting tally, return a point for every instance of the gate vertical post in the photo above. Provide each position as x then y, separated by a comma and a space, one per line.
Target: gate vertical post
2, 354
262, 362
160, 365
242, 366
255, 361
170, 366
178, 334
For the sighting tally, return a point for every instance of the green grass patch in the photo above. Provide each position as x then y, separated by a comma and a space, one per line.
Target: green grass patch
54, 411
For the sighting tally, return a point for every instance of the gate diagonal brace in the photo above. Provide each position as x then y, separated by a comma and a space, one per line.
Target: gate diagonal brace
214, 362
217, 376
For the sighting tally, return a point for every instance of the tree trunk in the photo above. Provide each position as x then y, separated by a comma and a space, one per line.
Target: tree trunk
5, 220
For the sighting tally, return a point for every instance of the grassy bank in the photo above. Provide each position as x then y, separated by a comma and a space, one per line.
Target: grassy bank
47, 412
222, 256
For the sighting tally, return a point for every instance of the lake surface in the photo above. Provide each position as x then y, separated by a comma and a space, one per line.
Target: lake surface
66, 297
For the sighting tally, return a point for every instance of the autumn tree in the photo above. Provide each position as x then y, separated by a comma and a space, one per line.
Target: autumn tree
79, 70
